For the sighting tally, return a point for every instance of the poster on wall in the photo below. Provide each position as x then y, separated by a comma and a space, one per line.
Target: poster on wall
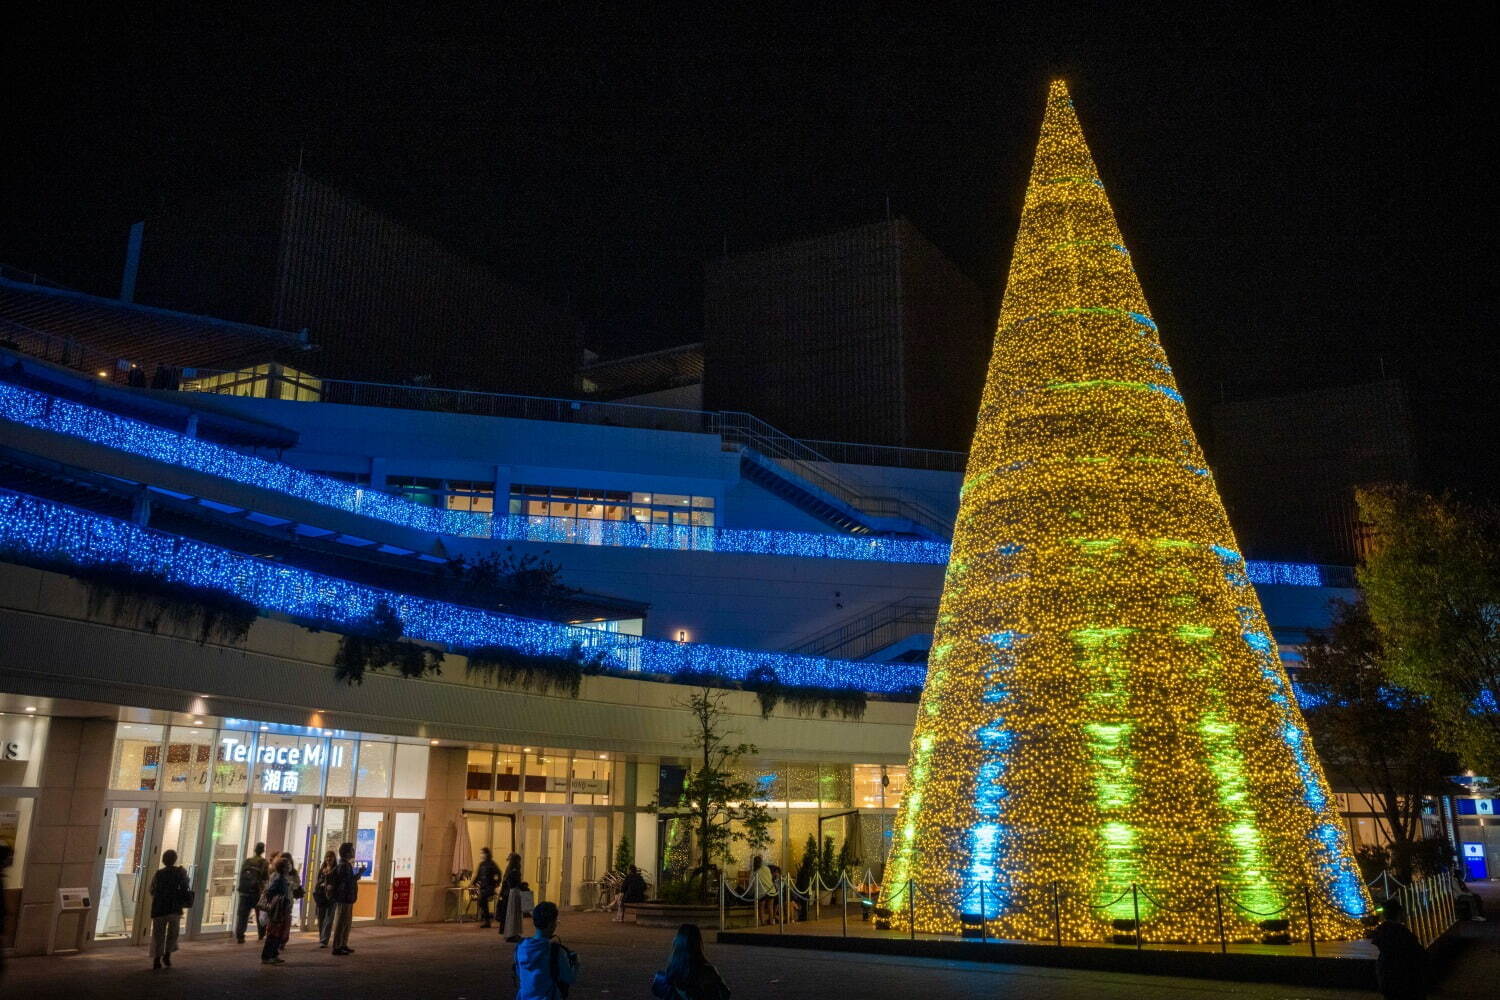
401, 897
10, 827
364, 851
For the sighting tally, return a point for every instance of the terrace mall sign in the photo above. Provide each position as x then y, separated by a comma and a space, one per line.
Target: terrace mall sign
282, 773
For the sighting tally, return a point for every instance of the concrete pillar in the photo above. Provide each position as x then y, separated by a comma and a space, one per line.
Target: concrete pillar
67, 824
447, 780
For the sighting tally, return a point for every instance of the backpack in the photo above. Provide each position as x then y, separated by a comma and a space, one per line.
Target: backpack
249, 880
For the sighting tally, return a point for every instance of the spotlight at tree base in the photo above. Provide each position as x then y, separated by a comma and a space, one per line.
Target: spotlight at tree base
1105, 707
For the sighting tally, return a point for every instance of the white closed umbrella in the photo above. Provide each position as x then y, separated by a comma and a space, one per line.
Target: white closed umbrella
463, 850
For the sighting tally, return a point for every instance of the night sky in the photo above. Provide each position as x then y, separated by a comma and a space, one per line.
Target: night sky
1306, 199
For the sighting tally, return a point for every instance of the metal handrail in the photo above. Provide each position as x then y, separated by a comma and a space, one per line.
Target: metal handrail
906, 610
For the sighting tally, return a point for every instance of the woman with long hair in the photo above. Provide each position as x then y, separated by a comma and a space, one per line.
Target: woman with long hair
277, 903
323, 896
688, 975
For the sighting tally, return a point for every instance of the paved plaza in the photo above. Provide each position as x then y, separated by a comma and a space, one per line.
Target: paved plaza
465, 963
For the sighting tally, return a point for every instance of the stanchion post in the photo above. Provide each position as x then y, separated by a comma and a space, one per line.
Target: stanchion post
911, 907
755, 898
1219, 913
844, 904
1312, 936
781, 907
721, 903
1057, 911
1135, 903
984, 924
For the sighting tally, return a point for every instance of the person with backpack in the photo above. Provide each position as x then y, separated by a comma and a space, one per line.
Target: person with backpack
170, 895
486, 882
255, 873
1401, 968
688, 975
345, 890
323, 897
544, 968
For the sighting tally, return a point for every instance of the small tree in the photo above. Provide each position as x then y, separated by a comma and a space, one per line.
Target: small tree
712, 795
809, 865
826, 863
1375, 738
624, 854
1432, 580
847, 860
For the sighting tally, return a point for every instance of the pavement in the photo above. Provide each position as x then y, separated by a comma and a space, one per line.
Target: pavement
465, 963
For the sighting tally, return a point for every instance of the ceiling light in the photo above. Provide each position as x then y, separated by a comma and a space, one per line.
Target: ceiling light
31, 708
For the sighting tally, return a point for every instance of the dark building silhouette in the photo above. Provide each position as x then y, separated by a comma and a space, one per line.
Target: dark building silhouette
380, 301
1287, 467
868, 335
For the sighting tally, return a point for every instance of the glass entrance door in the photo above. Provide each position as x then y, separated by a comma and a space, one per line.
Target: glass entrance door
588, 858
290, 827
406, 833
542, 854
127, 841
369, 861
226, 847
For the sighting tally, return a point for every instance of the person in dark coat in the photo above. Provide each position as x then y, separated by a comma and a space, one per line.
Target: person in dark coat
1401, 969
486, 882
688, 975
280, 892
169, 896
323, 897
255, 872
345, 884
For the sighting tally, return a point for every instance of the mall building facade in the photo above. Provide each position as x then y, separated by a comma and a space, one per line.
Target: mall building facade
691, 544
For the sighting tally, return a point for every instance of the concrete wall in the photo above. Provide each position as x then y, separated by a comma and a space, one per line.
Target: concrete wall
66, 826
447, 771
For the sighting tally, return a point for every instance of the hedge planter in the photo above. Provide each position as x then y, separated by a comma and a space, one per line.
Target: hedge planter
674, 915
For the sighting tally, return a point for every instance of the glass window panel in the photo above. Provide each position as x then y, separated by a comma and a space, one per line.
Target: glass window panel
640, 498
868, 792
225, 851
703, 518
703, 502
682, 517
341, 769
188, 759
517, 506
801, 784
508, 776
136, 765
411, 771
660, 516
375, 761
547, 776
833, 785
671, 500
536, 508
614, 513
591, 510
480, 784
563, 491
591, 777
640, 514
562, 508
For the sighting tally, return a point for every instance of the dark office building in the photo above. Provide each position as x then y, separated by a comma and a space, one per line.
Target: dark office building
1287, 467
381, 302
867, 335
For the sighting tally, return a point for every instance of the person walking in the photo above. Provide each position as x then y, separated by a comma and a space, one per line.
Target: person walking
544, 968
763, 885
323, 896
345, 886
170, 895
486, 882
1401, 968
255, 873
688, 975
277, 904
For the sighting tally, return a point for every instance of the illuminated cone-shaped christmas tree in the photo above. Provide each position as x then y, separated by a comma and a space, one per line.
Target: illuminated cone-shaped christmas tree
1105, 707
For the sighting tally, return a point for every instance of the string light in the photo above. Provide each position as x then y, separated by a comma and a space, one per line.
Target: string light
47, 412
41, 529
1105, 707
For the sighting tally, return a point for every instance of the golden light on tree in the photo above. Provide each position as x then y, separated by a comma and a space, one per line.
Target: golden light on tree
1105, 705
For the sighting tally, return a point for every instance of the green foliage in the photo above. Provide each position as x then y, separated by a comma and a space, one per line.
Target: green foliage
624, 854
808, 867
376, 643
848, 862
1432, 580
803, 699
528, 587
712, 795
679, 893
1373, 737
534, 671
1372, 860
826, 864
152, 602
